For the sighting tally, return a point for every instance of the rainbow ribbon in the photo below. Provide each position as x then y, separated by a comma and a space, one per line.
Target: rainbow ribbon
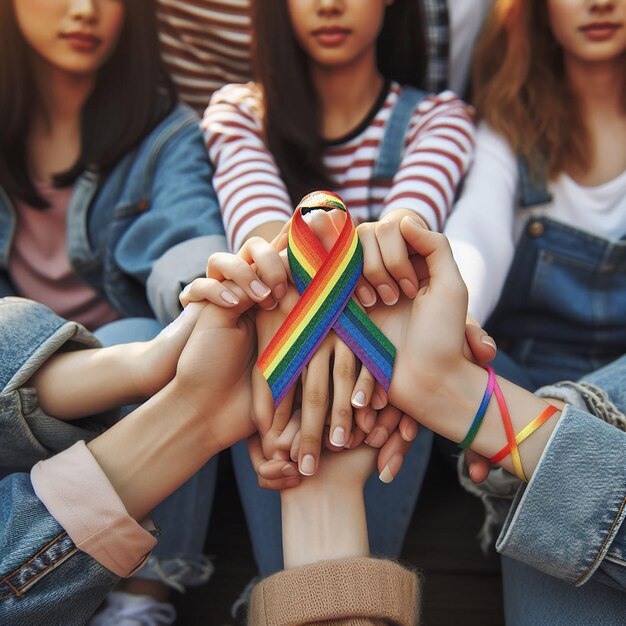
326, 281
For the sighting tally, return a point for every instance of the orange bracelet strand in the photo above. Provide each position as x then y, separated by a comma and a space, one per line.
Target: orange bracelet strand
523, 434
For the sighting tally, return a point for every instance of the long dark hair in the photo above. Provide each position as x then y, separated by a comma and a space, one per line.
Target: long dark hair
292, 110
133, 93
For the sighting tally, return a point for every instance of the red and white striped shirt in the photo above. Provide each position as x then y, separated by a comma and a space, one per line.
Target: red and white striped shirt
205, 44
438, 151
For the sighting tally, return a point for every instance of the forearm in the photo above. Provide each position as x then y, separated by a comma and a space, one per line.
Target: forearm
451, 403
324, 523
155, 449
85, 382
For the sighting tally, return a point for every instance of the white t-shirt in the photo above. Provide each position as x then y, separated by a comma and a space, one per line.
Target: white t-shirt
465, 19
485, 224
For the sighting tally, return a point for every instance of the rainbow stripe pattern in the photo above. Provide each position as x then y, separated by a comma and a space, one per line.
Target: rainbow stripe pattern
326, 281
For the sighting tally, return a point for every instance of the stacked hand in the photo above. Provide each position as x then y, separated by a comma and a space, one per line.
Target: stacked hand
260, 274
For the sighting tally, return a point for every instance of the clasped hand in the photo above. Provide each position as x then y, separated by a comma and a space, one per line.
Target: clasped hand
337, 402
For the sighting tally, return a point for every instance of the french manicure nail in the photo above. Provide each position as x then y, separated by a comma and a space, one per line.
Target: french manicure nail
487, 340
392, 468
259, 289
338, 438
289, 470
387, 293
307, 465
229, 297
410, 431
386, 476
408, 288
358, 399
366, 297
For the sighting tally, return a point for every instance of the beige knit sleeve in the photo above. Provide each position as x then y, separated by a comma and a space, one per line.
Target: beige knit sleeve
347, 592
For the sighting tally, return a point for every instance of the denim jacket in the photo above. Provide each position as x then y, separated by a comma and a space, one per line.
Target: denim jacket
146, 229
44, 578
569, 521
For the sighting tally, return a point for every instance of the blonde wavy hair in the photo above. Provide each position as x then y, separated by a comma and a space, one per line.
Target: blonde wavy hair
521, 90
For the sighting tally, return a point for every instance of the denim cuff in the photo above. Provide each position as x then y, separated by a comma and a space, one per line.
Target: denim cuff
565, 520
30, 334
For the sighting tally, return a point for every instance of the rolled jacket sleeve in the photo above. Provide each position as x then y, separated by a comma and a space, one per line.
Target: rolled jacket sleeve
346, 592
78, 494
30, 333
569, 520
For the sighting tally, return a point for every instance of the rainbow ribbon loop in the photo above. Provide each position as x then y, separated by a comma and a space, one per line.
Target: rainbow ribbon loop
326, 281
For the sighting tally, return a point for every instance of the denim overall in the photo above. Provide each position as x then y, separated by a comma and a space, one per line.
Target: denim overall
388, 507
562, 312
561, 316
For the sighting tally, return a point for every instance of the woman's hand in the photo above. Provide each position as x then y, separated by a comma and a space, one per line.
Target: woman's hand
387, 269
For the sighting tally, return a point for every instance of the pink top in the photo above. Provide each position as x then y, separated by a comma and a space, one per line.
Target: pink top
78, 494
40, 267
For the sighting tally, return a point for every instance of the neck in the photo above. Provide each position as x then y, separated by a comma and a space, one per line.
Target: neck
62, 95
346, 94
599, 86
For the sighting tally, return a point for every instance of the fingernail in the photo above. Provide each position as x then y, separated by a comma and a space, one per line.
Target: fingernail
229, 297
377, 438
358, 399
259, 289
387, 293
377, 402
366, 297
289, 470
470, 469
280, 291
410, 431
392, 468
307, 465
350, 442
369, 421
414, 222
408, 288
186, 290
338, 438
487, 340
386, 476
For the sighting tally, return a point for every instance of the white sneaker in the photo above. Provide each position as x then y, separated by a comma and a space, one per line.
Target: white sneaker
126, 609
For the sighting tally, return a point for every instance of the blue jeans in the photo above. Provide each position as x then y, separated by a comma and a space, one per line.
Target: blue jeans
388, 507
184, 516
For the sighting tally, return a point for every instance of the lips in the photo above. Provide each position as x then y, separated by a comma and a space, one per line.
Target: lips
81, 41
331, 36
600, 31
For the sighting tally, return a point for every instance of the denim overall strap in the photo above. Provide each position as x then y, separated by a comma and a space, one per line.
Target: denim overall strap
532, 187
562, 312
396, 128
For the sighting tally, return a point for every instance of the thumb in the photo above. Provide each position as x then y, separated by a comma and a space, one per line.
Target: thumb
434, 248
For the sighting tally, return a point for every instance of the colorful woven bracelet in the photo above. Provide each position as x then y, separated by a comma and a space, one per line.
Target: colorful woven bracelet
526, 432
326, 281
510, 433
482, 409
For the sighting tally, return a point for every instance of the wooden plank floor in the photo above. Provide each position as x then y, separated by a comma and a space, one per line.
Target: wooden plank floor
461, 585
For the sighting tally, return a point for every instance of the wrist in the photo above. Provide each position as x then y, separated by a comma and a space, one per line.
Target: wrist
323, 523
447, 405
